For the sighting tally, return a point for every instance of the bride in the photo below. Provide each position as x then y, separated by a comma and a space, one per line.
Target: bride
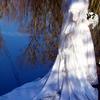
74, 70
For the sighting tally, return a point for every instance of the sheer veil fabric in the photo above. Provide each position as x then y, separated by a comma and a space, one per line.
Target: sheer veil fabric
74, 70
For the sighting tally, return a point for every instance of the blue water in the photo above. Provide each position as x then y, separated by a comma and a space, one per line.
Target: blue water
13, 74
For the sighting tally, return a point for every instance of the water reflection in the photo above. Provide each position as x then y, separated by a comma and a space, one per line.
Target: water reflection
12, 44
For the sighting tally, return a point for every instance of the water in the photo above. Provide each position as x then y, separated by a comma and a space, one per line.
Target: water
12, 74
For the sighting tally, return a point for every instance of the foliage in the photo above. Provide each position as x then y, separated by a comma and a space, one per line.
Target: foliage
44, 26
95, 7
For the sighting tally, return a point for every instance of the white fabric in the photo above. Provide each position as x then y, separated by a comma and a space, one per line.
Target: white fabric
93, 19
73, 71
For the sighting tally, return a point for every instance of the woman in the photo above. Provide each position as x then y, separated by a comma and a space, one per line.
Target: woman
72, 73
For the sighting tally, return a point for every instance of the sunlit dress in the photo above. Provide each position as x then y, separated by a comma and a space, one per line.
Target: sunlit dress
72, 74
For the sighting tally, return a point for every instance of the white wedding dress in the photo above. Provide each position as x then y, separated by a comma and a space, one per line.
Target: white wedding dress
71, 75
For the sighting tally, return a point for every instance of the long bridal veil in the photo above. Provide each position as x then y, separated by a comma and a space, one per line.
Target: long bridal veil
74, 69
89, 48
